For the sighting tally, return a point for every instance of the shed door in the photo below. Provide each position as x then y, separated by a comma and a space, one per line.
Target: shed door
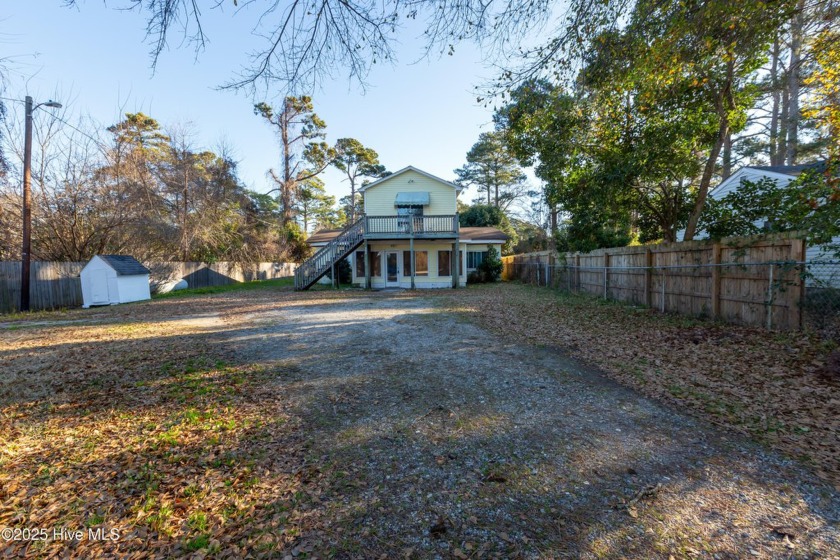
99, 286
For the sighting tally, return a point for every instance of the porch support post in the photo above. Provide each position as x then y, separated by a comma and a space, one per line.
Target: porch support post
456, 264
367, 265
453, 265
456, 272
411, 259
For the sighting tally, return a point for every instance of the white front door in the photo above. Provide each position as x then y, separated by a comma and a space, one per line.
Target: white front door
392, 268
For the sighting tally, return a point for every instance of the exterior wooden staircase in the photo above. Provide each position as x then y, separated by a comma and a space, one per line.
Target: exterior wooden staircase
321, 262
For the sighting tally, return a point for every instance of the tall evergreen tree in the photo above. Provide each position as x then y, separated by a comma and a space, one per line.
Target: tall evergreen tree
304, 154
314, 205
357, 163
493, 170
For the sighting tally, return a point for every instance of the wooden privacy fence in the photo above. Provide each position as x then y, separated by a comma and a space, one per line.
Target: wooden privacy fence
52, 285
753, 281
56, 284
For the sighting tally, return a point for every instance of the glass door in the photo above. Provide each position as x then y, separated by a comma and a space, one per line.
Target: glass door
392, 268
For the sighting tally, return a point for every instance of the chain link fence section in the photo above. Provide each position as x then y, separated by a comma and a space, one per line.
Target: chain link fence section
782, 295
821, 298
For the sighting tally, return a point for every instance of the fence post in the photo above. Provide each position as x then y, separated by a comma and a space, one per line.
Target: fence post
648, 278
715, 289
606, 266
797, 288
770, 298
547, 272
568, 274
577, 272
664, 276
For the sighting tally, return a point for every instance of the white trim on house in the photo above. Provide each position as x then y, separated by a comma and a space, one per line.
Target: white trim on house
398, 258
406, 169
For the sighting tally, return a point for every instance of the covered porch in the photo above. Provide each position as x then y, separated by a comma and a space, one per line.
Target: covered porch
410, 263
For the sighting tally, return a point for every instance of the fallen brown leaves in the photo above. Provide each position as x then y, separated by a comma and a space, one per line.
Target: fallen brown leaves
770, 385
140, 426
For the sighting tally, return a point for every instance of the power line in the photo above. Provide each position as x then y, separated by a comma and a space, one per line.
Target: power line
96, 141
101, 146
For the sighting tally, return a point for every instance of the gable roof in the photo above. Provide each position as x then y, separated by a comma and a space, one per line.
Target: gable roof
124, 265
405, 170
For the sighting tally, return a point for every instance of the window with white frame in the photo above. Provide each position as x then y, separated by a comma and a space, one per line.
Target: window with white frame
475, 258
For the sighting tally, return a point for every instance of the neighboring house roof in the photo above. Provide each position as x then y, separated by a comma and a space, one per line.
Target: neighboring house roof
405, 170
124, 265
323, 236
782, 174
793, 170
484, 234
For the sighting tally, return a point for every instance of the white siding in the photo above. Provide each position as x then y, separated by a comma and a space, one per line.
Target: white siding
133, 288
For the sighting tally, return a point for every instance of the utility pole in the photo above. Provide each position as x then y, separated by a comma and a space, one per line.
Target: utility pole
27, 208
26, 249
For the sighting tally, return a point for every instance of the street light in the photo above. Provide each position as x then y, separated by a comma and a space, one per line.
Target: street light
27, 199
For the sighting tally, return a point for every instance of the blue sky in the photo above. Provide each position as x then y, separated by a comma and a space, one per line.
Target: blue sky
95, 60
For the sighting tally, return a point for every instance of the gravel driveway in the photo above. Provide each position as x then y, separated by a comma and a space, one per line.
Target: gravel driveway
427, 437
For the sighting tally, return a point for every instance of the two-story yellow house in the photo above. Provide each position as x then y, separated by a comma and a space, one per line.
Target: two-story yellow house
408, 237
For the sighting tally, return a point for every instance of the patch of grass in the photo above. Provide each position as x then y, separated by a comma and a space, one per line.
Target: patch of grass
34, 315
94, 520
193, 416
170, 436
198, 542
159, 520
198, 521
239, 287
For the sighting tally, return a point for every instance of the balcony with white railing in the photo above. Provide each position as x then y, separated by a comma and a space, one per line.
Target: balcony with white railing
404, 227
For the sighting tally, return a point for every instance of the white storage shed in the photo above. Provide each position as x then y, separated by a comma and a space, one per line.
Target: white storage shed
112, 279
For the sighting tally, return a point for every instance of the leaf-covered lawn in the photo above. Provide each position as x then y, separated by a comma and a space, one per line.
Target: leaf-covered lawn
138, 424
769, 385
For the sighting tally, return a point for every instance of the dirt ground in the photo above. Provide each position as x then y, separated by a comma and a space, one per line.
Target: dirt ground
365, 425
